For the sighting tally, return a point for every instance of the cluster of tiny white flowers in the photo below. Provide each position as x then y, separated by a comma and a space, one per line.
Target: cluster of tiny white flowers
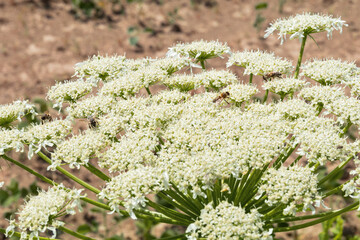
15, 110
170, 97
79, 149
199, 50
290, 186
133, 150
123, 86
11, 139
228, 222
91, 106
334, 101
355, 87
149, 75
306, 23
322, 94
330, 71
193, 140
259, 62
182, 82
320, 140
69, 91
37, 215
284, 86
171, 64
294, 109
240, 93
216, 79
352, 187
132, 186
346, 109
99, 68
208, 142
47, 134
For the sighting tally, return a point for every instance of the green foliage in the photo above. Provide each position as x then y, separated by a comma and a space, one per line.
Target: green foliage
332, 229
259, 20
281, 5
11, 195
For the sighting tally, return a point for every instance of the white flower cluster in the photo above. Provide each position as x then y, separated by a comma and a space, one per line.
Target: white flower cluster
355, 87
306, 23
39, 212
228, 222
322, 94
290, 186
79, 149
91, 106
199, 50
132, 186
99, 68
330, 71
45, 135
259, 62
123, 86
284, 86
134, 150
11, 139
182, 82
334, 101
171, 64
216, 79
208, 142
320, 140
294, 109
240, 93
69, 91
174, 97
15, 110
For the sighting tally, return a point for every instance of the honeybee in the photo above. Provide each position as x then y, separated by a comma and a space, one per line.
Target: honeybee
93, 123
222, 96
270, 75
46, 117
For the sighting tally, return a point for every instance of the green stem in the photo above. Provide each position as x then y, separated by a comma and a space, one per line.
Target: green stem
45, 179
303, 41
334, 172
69, 175
251, 78
338, 188
148, 91
323, 219
53, 183
75, 234
346, 128
266, 96
97, 172
202, 62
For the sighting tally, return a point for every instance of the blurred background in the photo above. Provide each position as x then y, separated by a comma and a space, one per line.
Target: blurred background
41, 40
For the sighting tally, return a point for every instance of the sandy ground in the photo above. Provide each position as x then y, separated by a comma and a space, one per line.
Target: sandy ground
40, 45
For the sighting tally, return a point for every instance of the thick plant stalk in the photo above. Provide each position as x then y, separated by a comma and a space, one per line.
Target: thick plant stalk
303, 41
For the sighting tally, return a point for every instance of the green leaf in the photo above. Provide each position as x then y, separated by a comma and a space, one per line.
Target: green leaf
262, 5
3, 196
11, 199
133, 40
116, 237
24, 192
34, 189
83, 229
13, 187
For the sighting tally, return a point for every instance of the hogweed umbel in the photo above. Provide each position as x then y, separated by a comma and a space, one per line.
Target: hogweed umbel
232, 168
